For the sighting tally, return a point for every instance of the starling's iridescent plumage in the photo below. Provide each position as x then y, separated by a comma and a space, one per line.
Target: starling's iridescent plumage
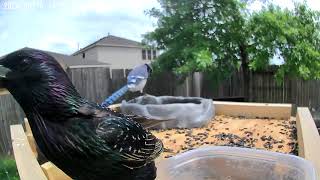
84, 140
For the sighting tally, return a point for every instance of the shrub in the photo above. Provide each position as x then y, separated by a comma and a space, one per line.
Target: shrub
8, 169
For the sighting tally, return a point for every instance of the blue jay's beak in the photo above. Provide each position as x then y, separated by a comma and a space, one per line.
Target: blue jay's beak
149, 68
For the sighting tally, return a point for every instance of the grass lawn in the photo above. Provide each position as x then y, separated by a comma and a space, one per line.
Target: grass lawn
8, 169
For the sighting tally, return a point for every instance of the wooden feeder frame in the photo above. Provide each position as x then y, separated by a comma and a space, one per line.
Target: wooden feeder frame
25, 151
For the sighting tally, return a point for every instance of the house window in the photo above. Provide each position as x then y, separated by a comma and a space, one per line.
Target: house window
83, 55
154, 54
143, 54
149, 54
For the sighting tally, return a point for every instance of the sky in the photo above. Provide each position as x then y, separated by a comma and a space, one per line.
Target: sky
64, 26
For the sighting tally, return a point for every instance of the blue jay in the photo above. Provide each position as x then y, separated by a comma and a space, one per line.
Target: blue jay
136, 80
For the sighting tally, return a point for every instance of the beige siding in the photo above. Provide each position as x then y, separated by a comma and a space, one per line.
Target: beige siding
121, 57
91, 53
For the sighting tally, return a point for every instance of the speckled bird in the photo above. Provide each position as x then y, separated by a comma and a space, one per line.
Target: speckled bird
84, 140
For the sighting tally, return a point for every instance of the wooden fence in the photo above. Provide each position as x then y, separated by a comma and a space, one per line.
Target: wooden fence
97, 82
298, 92
10, 113
94, 83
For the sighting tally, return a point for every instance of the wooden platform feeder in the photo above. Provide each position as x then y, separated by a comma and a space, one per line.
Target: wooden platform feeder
308, 137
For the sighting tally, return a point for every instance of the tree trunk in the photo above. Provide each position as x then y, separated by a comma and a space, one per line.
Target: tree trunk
245, 69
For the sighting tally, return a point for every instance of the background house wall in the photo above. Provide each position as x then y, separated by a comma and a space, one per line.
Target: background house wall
121, 57
119, 52
91, 53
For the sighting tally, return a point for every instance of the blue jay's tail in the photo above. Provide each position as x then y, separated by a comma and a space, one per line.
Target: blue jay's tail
115, 96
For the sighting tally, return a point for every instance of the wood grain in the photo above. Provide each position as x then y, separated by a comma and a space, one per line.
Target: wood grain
253, 110
308, 137
27, 164
30, 138
53, 172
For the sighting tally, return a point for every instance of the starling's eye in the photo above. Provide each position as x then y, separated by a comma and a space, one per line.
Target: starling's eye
25, 62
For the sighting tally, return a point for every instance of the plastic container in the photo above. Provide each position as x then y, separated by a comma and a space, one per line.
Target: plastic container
232, 163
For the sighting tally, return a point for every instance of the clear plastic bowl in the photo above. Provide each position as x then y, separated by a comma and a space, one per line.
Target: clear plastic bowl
232, 163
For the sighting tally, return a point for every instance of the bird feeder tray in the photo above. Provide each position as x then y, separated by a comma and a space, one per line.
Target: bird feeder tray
308, 138
177, 112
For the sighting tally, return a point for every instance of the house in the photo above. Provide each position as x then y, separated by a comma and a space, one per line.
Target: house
121, 53
67, 60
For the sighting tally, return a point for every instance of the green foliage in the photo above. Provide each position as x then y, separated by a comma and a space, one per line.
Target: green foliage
198, 35
295, 34
8, 169
218, 36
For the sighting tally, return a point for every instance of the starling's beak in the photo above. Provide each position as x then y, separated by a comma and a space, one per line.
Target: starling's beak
3, 72
3, 75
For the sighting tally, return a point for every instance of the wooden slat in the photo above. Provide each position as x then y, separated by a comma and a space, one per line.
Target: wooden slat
27, 164
4, 91
53, 172
31, 140
308, 138
252, 110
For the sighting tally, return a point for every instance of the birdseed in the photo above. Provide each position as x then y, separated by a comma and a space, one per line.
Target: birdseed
261, 133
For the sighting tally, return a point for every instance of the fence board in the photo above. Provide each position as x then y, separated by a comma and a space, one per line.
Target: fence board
92, 83
10, 113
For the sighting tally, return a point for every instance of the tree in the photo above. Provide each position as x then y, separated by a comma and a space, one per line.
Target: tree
218, 37
190, 31
293, 35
